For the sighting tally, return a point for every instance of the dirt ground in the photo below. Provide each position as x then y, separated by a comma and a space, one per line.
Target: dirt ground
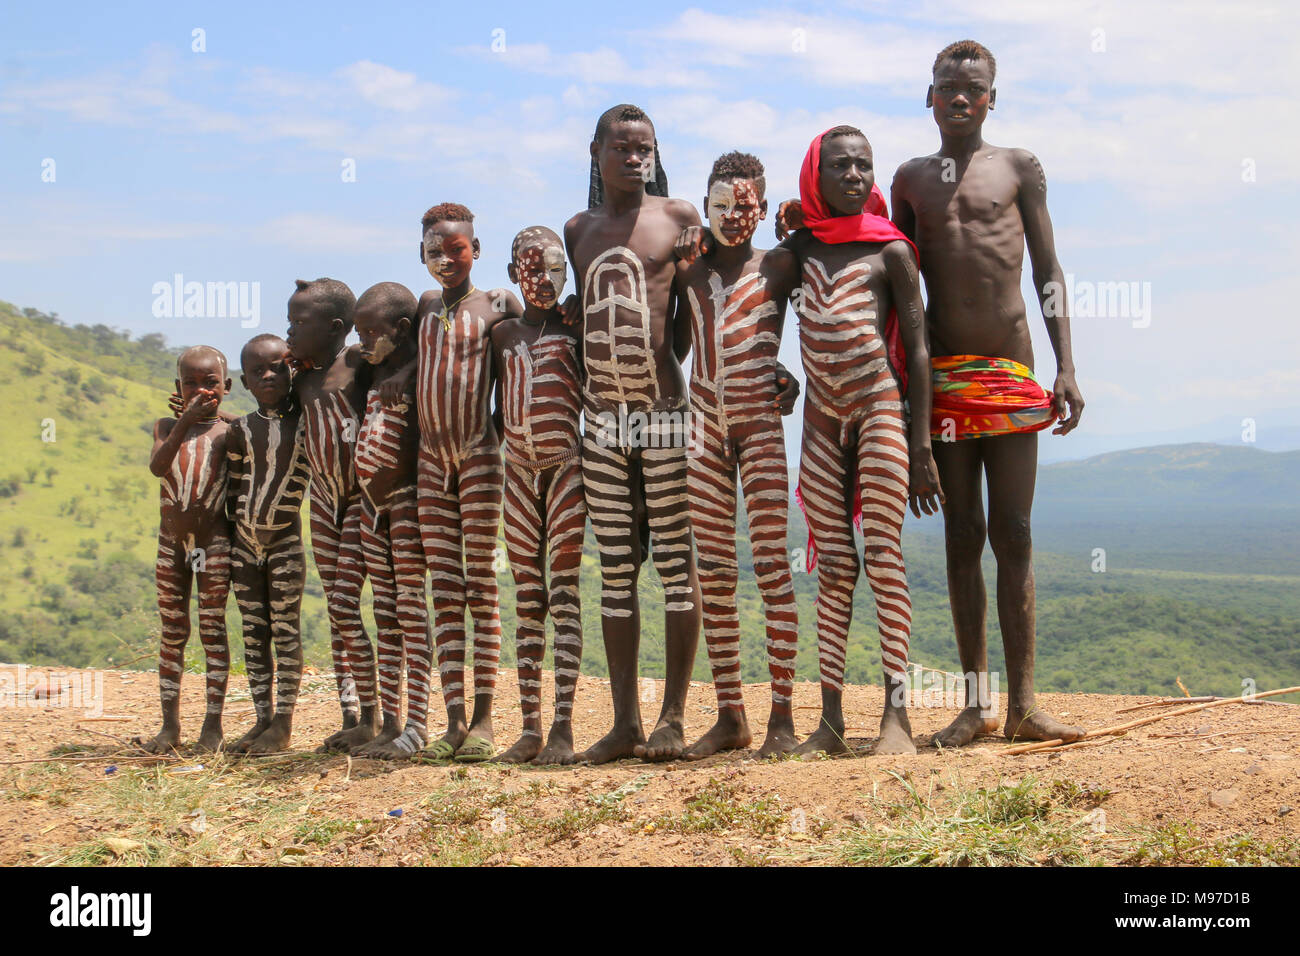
1229, 770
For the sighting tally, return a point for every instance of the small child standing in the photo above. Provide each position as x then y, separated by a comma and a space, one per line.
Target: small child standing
388, 445
189, 455
539, 399
268, 477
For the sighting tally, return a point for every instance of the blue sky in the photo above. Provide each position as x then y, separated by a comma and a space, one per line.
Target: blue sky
1170, 149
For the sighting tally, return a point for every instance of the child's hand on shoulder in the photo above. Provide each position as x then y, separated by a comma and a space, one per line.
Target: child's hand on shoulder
694, 241
571, 310
789, 218
394, 389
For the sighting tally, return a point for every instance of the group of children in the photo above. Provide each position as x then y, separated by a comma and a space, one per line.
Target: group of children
466, 407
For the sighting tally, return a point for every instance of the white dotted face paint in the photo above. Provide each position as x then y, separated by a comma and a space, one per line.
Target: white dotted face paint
734, 210
543, 272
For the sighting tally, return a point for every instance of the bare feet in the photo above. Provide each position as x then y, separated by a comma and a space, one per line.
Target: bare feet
241, 745
276, 737
968, 725
781, 738
824, 740
376, 748
165, 742
619, 743
210, 736
358, 734
731, 732
559, 746
401, 746
778, 743
667, 742
1037, 725
523, 750
895, 733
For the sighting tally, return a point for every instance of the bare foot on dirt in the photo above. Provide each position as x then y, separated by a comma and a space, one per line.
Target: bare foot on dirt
731, 732
210, 736
968, 725
241, 745
164, 742
403, 746
559, 747
619, 743
275, 739
349, 738
522, 750
667, 742
895, 733
1038, 725
824, 740
781, 739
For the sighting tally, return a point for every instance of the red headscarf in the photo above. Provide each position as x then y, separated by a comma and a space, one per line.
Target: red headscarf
871, 225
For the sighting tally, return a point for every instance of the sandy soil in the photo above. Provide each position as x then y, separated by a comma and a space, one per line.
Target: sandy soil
1242, 779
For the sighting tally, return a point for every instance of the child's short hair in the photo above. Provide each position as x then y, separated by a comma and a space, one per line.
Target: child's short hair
529, 234
195, 351
837, 131
261, 337
623, 113
738, 165
392, 299
446, 212
331, 293
965, 50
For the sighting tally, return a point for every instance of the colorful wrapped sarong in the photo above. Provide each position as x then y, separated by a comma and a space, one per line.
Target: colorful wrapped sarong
977, 396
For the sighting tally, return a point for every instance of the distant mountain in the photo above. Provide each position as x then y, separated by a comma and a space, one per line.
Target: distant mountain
1176, 475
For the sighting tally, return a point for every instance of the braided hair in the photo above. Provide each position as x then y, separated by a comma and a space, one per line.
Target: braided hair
623, 113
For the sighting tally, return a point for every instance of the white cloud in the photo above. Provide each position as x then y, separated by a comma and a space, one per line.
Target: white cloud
316, 231
392, 89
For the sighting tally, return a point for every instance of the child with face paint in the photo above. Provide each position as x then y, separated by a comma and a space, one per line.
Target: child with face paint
539, 402
332, 398
386, 453
737, 296
460, 472
189, 455
859, 283
268, 477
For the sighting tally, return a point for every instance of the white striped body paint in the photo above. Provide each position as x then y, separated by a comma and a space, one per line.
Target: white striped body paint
268, 471
194, 543
618, 350
632, 494
545, 514
331, 425
459, 495
390, 537
853, 430
733, 390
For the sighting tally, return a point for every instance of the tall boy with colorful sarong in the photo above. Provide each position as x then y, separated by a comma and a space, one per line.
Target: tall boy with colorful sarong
970, 208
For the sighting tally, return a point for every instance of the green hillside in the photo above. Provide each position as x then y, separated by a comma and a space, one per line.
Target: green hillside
1200, 581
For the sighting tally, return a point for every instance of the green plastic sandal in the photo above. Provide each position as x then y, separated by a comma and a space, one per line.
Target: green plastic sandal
475, 750
440, 751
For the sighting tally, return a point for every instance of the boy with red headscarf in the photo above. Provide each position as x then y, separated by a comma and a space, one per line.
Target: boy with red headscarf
862, 336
